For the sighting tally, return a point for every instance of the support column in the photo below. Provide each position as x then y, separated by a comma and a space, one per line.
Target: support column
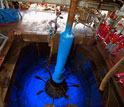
65, 43
56, 87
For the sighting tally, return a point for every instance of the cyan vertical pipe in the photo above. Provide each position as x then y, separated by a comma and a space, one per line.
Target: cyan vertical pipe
65, 43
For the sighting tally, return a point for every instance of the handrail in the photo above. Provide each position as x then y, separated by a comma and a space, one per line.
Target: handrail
107, 77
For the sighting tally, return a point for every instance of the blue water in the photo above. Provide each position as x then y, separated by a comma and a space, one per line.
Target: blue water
26, 85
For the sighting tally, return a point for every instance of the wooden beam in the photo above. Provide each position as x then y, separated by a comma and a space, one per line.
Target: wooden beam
9, 65
72, 10
33, 37
6, 48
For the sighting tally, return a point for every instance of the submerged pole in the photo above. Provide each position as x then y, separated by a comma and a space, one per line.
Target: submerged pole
65, 43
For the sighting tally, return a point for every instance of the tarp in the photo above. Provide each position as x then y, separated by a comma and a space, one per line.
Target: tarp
8, 16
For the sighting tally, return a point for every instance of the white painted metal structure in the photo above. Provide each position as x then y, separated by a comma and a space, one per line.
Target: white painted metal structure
3, 4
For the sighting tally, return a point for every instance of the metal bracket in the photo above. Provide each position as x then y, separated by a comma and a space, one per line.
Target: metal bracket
4, 38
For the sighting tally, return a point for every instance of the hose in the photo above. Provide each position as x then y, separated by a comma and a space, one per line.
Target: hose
108, 76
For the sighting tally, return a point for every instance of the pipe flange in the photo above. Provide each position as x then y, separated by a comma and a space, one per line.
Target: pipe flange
56, 90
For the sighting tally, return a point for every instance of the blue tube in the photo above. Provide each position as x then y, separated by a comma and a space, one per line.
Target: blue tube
65, 43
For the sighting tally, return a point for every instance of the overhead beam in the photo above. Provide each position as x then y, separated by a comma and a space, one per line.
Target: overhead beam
82, 3
66, 2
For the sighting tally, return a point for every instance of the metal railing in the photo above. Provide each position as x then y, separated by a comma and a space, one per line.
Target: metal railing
4, 38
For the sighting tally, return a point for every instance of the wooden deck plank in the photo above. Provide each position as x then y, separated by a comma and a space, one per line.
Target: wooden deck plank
6, 48
33, 37
9, 65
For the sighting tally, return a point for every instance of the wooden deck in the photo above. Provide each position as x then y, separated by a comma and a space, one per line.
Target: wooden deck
8, 66
10, 55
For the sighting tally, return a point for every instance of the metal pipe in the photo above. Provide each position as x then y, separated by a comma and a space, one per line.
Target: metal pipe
1, 4
110, 73
66, 39
6, 4
99, 23
4, 42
